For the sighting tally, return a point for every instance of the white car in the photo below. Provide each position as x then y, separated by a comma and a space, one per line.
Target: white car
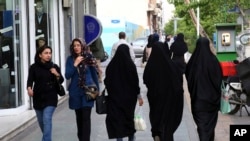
139, 45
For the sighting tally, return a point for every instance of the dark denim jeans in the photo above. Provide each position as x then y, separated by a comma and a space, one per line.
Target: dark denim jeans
44, 118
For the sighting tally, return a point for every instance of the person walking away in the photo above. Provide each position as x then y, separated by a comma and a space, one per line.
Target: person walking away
122, 84
147, 50
165, 93
204, 78
98, 51
122, 40
177, 51
41, 85
81, 71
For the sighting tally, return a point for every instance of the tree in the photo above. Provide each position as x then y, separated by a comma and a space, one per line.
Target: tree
210, 14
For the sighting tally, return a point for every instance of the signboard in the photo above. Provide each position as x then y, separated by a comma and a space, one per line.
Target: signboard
92, 28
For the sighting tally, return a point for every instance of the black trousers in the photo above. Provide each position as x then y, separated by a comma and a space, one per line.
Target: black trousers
83, 123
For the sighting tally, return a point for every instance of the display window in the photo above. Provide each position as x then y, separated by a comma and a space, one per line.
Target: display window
10, 95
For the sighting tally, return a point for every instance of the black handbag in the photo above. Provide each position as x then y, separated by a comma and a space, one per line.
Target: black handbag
101, 103
60, 90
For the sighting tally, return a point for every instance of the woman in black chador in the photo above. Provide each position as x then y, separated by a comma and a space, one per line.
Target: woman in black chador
122, 84
165, 94
204, 77
177, 51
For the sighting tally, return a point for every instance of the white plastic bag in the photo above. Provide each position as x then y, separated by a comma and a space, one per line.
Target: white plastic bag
139, 120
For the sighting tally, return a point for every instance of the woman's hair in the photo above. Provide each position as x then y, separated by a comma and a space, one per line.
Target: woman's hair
83, 46
40, 50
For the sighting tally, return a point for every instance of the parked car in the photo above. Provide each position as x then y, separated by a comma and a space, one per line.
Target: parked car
139, 45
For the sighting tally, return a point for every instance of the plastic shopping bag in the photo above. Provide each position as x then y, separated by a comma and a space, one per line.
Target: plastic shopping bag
224, 104
139, 121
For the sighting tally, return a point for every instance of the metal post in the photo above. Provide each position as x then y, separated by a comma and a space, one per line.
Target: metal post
198, 20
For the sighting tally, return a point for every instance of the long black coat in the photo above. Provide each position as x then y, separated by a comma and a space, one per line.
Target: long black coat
122, 85
204, 77
165, 93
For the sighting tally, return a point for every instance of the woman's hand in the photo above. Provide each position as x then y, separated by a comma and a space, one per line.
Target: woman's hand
53, 71
140, 100
30, 92
78, 60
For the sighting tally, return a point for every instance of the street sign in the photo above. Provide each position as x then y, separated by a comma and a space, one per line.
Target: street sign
92, 28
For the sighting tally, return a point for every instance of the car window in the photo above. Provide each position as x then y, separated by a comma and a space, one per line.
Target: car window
140, 42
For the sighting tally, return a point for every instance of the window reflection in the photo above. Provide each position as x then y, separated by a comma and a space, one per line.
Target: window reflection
9, 31
41, 22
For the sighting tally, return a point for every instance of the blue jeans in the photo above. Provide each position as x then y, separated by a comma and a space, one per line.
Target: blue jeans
44, 118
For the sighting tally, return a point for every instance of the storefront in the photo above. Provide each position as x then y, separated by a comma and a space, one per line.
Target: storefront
22, 23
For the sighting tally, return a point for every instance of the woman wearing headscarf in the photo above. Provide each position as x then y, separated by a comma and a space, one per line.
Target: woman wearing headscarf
204, 78
82, 73
41, 85
177, 51
165, 94
123, 89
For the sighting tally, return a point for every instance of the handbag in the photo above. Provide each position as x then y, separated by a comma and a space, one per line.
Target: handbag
91, 92
101, 103
60, 89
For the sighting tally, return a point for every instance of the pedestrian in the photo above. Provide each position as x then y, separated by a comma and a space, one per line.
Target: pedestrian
98, 51
43, 74
169, 39
122, 40
81, 71
165, 93
204, 78
177, 51
122, 84
167, 43
147, 50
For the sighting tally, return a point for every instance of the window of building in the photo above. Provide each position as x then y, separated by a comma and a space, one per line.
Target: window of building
10, 95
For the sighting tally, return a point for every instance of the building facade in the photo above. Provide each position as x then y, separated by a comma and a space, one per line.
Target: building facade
22, 23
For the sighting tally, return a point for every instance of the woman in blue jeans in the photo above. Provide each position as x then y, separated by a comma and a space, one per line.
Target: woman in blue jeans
41, 85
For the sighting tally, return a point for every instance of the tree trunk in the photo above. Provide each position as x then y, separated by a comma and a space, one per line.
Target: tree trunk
201, 29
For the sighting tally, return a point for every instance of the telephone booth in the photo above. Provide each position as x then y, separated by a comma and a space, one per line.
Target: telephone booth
226, 47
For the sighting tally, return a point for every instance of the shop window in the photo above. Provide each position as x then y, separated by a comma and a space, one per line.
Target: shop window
42, 22
10, 95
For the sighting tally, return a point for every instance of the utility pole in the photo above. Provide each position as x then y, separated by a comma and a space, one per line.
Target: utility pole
198, 20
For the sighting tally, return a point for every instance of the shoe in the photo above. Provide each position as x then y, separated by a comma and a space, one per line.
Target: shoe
157, 138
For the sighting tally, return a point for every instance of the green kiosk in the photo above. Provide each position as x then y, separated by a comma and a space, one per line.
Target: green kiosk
226, 47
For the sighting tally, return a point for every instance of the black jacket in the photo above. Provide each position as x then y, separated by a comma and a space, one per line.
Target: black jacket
45, 92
